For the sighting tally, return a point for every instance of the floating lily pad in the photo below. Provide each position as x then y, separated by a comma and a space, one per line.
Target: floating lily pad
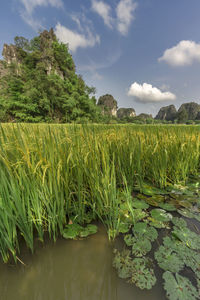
123, 262
142, 274
161, 215
129, 240
88, 230
179, 222
179, 287
72, 231
185, 213
139, 214
141, 247
142, 230
168, 259
188, 237
124, 227
140, 204
167, 206
157, 224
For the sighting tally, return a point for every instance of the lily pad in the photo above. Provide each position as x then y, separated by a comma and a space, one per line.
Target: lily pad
168, 260
142, 230
185, 213
161, 215
123, 262
157, 224
141, 247
167, 206
88, 230
74, 230
139, 214
129, 240
140, 204
179, 287
142, 274
124, 227
188, 237
179, 222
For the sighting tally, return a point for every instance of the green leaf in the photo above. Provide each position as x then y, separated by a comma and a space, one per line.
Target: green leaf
161, 215
140, 204
141, 247
179, 287
188, 237
122, 262
124, 227
142, 274
168, 260
179, 222
129, 239
88, 230
72, 231
142, 230
167, 206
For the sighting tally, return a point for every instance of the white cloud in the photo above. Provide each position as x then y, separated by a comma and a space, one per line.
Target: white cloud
183, 54
75, 39
124, 11
103, 10
29, 7
147, 93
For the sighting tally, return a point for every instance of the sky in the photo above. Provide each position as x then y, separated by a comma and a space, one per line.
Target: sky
146, 53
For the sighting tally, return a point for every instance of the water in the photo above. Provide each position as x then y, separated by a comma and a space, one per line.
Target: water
70, 270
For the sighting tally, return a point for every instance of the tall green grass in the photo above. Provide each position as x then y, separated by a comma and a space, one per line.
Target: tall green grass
50, 174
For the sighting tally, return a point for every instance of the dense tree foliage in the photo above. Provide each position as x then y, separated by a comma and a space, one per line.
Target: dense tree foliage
42, 85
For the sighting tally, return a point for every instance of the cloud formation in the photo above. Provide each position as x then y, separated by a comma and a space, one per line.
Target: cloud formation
75, 39
185, 53
147, 93
124, 14
104, 11
29, 7
124, 11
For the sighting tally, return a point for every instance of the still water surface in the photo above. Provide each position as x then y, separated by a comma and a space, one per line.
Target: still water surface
70, 270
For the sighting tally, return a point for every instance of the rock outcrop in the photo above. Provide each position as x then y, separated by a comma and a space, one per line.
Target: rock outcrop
126, 113
191, 108
198, 116
108, 105
144, 116
167, 113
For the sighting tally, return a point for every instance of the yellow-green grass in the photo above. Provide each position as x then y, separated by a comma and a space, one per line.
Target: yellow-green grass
50, 174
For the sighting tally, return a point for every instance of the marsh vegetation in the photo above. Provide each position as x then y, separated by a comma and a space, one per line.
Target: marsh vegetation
141, 182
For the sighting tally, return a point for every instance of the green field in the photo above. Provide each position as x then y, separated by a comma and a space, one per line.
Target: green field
54, 174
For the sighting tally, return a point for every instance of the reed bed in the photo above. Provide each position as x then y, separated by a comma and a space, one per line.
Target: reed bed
50, 174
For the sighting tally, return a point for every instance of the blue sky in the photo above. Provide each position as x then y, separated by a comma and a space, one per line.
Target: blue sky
146, 53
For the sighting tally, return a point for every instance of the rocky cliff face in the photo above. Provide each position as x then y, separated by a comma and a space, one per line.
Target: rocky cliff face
108, 105
126, 113
167, 113
192, 110
145, 116
12, 54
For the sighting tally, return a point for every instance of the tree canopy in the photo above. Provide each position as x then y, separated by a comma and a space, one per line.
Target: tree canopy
41, 84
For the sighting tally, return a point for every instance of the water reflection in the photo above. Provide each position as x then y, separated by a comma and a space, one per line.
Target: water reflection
70, 270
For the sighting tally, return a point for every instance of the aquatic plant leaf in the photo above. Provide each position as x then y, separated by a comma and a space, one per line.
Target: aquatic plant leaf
124, 227
88, 230
157, 224
179, 287
141, 247
179, 222
161, 215
140, 204
122, 262
139, 214
142, 230
185, 213
142, 275
168, 260
72, 231
129, 239
167, 206
188, 237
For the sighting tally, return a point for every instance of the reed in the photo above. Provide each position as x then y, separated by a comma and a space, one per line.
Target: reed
50, 174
